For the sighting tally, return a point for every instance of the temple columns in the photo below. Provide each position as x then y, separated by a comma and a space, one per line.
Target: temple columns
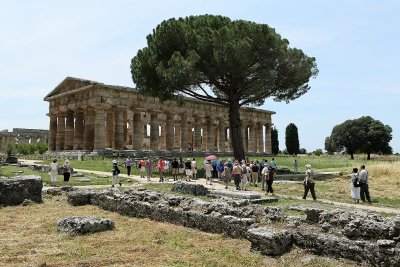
52, 133
79, 131
154, 132
89, 130
169, 132
119, 129
100, 131
60, 132
268, 144
69, 131
137, 131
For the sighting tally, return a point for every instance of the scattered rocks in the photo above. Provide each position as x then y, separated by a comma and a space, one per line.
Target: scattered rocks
84, 225
238, 194
13, 191
27, 202
78, 174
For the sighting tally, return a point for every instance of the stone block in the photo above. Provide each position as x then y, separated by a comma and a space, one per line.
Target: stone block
13, 191
84, 225
270, 241
79, 198
191, 189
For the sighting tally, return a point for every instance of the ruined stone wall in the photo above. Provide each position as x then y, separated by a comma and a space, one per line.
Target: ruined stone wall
370, 239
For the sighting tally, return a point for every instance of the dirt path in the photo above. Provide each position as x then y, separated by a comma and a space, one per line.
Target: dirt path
219, 186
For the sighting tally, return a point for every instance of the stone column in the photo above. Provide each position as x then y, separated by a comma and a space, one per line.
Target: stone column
252, 138
89, 130
245, 137
60, 132
170, 132
52, 133
79, 131
137, 131
197, 134
210, 134
221, 135
260, 146
110, 126
177, 145
154, 131
100, 130
268, 144
69, 131
125, 129
184, 134
119, 129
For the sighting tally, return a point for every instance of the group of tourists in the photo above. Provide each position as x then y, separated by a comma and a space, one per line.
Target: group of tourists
242, 173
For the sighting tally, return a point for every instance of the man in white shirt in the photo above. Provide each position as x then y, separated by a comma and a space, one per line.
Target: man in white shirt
364, 190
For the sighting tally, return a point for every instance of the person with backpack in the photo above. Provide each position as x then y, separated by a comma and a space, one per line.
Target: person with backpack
254, 173
115, 172
355, 185
67, 170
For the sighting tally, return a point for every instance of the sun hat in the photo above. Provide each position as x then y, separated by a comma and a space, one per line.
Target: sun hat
308, 166
114, 161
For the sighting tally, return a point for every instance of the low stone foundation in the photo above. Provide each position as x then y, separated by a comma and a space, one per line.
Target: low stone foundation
242, 219
13, 191
84, 225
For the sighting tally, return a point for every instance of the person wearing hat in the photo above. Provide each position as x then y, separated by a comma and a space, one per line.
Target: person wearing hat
53, 172
208, 171
115, 173
67, 170
309, 183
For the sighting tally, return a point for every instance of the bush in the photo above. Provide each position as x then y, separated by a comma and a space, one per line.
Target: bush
318, 152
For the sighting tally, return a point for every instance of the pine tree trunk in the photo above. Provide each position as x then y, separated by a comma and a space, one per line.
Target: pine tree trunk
369, 156
352, 155
235, 129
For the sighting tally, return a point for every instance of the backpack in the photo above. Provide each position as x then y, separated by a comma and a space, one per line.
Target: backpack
356, 182
244, 170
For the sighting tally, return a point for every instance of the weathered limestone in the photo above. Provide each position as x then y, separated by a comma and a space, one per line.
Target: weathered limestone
192, 189
13, 191
84, 225
241, 219
91, 116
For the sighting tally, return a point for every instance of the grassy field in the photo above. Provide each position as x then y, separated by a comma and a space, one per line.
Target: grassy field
29, 238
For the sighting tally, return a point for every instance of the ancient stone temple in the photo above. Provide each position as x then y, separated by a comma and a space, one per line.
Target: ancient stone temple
22, 136
91, 116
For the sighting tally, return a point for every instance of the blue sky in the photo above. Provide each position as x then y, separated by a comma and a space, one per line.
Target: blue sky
355, 43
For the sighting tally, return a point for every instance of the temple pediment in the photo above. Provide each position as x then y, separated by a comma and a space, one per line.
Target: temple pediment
69, 84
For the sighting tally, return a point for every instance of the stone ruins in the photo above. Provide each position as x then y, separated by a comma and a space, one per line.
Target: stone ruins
91, 116
357, 235
22, 136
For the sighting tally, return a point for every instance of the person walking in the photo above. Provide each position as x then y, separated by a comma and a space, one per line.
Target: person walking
226, 174
67, 170
245, 175
188, 169
193, 166
149, 168
254, 173
296, 167
237, 174
220, 169
364, 190
309, 183
355, 185
175, 167
273, 164
181, 168
270, 180
115, 172
53, 172
264, 174
142, 167
208, 168
128, 165
160, 168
